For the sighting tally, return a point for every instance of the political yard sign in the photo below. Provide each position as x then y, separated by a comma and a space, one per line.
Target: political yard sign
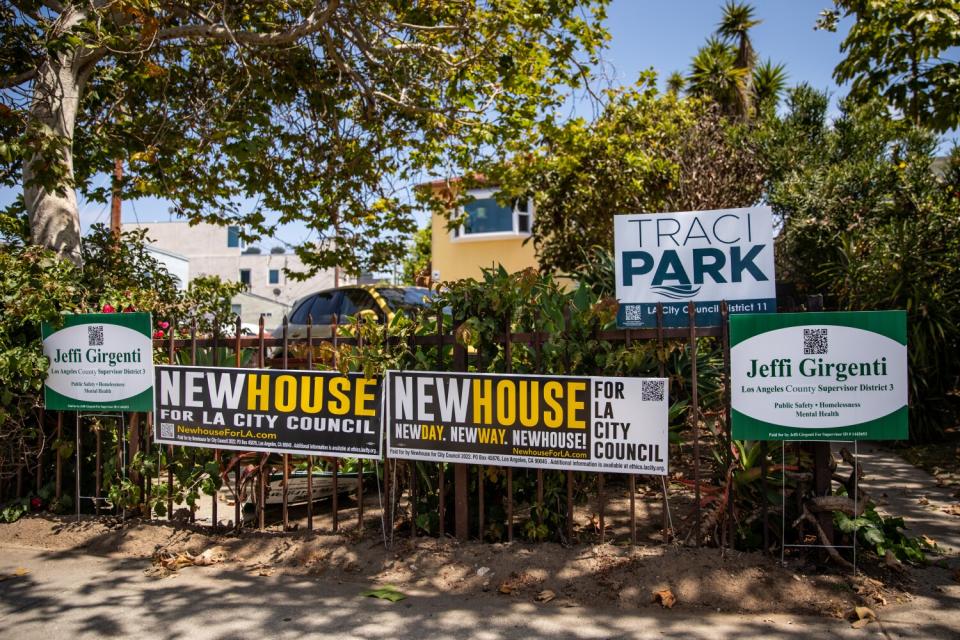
615, 425
268, 410
99, 362
703, 257
819, 376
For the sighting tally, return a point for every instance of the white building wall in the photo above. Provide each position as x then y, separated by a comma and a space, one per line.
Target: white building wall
205, 246
178, 266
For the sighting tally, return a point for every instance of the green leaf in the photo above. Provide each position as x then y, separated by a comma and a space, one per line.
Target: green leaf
388, 592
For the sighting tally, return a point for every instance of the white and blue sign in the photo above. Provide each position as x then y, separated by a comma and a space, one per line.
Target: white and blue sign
703, 257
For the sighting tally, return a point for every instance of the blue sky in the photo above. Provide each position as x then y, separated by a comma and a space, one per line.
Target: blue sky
664, 34
658, 34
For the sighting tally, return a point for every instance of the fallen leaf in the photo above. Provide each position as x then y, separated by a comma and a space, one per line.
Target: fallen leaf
861, 616
388, 592
18, 572
665, 597
928, 541
505, 589
952, 509
923, 500
546, 596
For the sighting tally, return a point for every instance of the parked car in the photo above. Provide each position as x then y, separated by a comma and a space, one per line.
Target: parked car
383, 301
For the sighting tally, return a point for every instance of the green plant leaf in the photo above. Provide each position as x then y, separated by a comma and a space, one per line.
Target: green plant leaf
388, 592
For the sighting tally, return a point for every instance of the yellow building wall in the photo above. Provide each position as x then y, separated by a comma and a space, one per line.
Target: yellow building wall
457, 259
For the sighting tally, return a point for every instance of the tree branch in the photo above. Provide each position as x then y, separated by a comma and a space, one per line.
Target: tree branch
311, 24
20, 78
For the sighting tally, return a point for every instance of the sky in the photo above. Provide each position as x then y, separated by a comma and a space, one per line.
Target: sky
658, 34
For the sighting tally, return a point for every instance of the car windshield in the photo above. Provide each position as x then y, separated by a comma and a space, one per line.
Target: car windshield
406, 298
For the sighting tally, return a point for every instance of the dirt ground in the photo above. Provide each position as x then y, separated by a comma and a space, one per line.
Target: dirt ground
617, 575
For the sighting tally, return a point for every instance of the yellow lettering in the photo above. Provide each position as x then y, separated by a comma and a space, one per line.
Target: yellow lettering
339, 387
553, 418
529, 403
258, 392
311, 400
573, 388
285, 393
362, 397
482, 400
506, 402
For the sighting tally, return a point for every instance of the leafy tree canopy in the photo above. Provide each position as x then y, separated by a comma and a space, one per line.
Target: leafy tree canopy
871, 218
417, 260
262, 112
646, 152
904, 51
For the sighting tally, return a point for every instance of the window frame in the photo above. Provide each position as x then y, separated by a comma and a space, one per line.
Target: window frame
240, 244
459, 234
270, 273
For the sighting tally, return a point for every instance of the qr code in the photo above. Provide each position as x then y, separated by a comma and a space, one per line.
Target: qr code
633, 313
166, 430
652, 391
814, 342
95, 335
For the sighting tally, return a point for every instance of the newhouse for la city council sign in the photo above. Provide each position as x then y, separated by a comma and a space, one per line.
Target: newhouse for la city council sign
819, 376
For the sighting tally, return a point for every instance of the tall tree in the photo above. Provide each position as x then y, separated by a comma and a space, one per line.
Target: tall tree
714, 74
905, 51
250, 110
769, 83
738, 18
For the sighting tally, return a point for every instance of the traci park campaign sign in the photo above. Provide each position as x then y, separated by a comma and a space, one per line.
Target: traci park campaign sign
819, 376
99, 362
269, 410
701, 256
551, 422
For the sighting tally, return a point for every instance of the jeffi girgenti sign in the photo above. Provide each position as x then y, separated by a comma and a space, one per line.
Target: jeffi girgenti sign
700, 256
819, 376
99, 361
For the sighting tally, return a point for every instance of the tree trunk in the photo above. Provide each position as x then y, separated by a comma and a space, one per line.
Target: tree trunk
53, 213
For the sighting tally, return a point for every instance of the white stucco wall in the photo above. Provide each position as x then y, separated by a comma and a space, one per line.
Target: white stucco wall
205, 246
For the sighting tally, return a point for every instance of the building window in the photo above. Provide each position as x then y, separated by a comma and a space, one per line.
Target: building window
236, 309
233, 237
245, 277
487, 219
274, 276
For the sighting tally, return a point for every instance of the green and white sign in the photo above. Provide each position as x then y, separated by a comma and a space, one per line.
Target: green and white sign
819, 376
99, 361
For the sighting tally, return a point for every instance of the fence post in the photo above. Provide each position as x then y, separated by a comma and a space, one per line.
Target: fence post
727, 428
286, 456
309, 458
821, 454
694, 413
461, 479
441, 480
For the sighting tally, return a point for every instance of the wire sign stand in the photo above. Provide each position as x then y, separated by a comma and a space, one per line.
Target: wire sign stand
98, 500
783, 509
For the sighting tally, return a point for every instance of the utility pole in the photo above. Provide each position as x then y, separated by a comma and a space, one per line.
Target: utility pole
116, 202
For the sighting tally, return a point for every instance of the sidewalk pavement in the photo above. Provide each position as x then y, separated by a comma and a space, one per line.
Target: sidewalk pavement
80, 596
46, 594
898, 488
